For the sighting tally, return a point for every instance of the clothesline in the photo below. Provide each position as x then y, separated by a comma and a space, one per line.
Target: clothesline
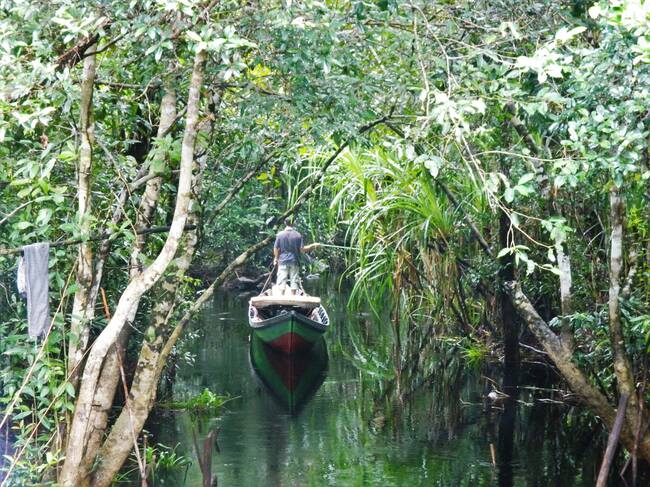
73, 241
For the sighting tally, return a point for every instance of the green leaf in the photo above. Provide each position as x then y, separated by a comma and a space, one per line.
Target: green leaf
526, 178
193, 36
23, 225
504, 252
524, 190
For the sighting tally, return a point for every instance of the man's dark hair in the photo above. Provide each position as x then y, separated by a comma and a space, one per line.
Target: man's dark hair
288, 221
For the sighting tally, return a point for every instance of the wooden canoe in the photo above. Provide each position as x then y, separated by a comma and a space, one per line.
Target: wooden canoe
289, 328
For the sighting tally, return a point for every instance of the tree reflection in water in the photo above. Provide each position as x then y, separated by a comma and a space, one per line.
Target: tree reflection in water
362, 428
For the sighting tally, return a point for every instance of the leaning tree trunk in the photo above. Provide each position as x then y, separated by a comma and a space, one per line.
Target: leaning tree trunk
151, 362
167, 118
128, 426
138, 404
152, 189
561, 356
72, 473
109, 378
82, 313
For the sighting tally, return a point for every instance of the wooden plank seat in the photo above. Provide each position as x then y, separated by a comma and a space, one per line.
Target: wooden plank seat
285, 300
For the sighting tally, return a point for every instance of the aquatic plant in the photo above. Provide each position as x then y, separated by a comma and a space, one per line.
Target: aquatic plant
205, 402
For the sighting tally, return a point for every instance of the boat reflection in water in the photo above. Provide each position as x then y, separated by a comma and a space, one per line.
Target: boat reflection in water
292, 379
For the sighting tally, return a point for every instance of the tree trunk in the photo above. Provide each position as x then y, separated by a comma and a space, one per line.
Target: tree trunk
119, 443
152, 189
81, 312
142, 394
109, 378
98, 421
72, 474
562, 358
622, 366
564, 264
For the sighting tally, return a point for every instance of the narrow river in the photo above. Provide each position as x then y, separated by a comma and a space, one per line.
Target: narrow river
338, 429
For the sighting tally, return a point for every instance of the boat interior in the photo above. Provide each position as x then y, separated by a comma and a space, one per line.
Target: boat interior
277, 304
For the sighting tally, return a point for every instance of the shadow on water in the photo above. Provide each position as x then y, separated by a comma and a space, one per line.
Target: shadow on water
294, 424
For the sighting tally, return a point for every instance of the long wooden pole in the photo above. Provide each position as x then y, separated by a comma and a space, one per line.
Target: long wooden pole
337, 246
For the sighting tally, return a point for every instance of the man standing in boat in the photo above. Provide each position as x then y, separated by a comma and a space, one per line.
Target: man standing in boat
286, 255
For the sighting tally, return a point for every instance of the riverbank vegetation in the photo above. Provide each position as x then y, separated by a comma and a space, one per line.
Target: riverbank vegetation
486, 164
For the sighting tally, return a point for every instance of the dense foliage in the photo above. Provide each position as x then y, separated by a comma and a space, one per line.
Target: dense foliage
442, 141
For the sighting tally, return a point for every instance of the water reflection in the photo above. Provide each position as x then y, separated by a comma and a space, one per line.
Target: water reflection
291, 379
350, 429
507, 427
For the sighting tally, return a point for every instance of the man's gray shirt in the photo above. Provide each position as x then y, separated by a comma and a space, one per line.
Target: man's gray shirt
289, 242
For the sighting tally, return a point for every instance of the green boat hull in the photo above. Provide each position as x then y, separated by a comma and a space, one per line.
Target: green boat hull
290, 332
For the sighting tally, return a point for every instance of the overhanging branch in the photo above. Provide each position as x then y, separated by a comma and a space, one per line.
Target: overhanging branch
112, 236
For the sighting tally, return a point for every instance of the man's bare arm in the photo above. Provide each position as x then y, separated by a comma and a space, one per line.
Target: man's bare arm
310, 247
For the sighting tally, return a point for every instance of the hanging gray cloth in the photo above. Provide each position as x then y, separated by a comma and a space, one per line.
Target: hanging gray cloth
36, 287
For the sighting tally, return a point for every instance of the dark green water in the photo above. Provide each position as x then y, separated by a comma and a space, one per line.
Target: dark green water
352, 434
